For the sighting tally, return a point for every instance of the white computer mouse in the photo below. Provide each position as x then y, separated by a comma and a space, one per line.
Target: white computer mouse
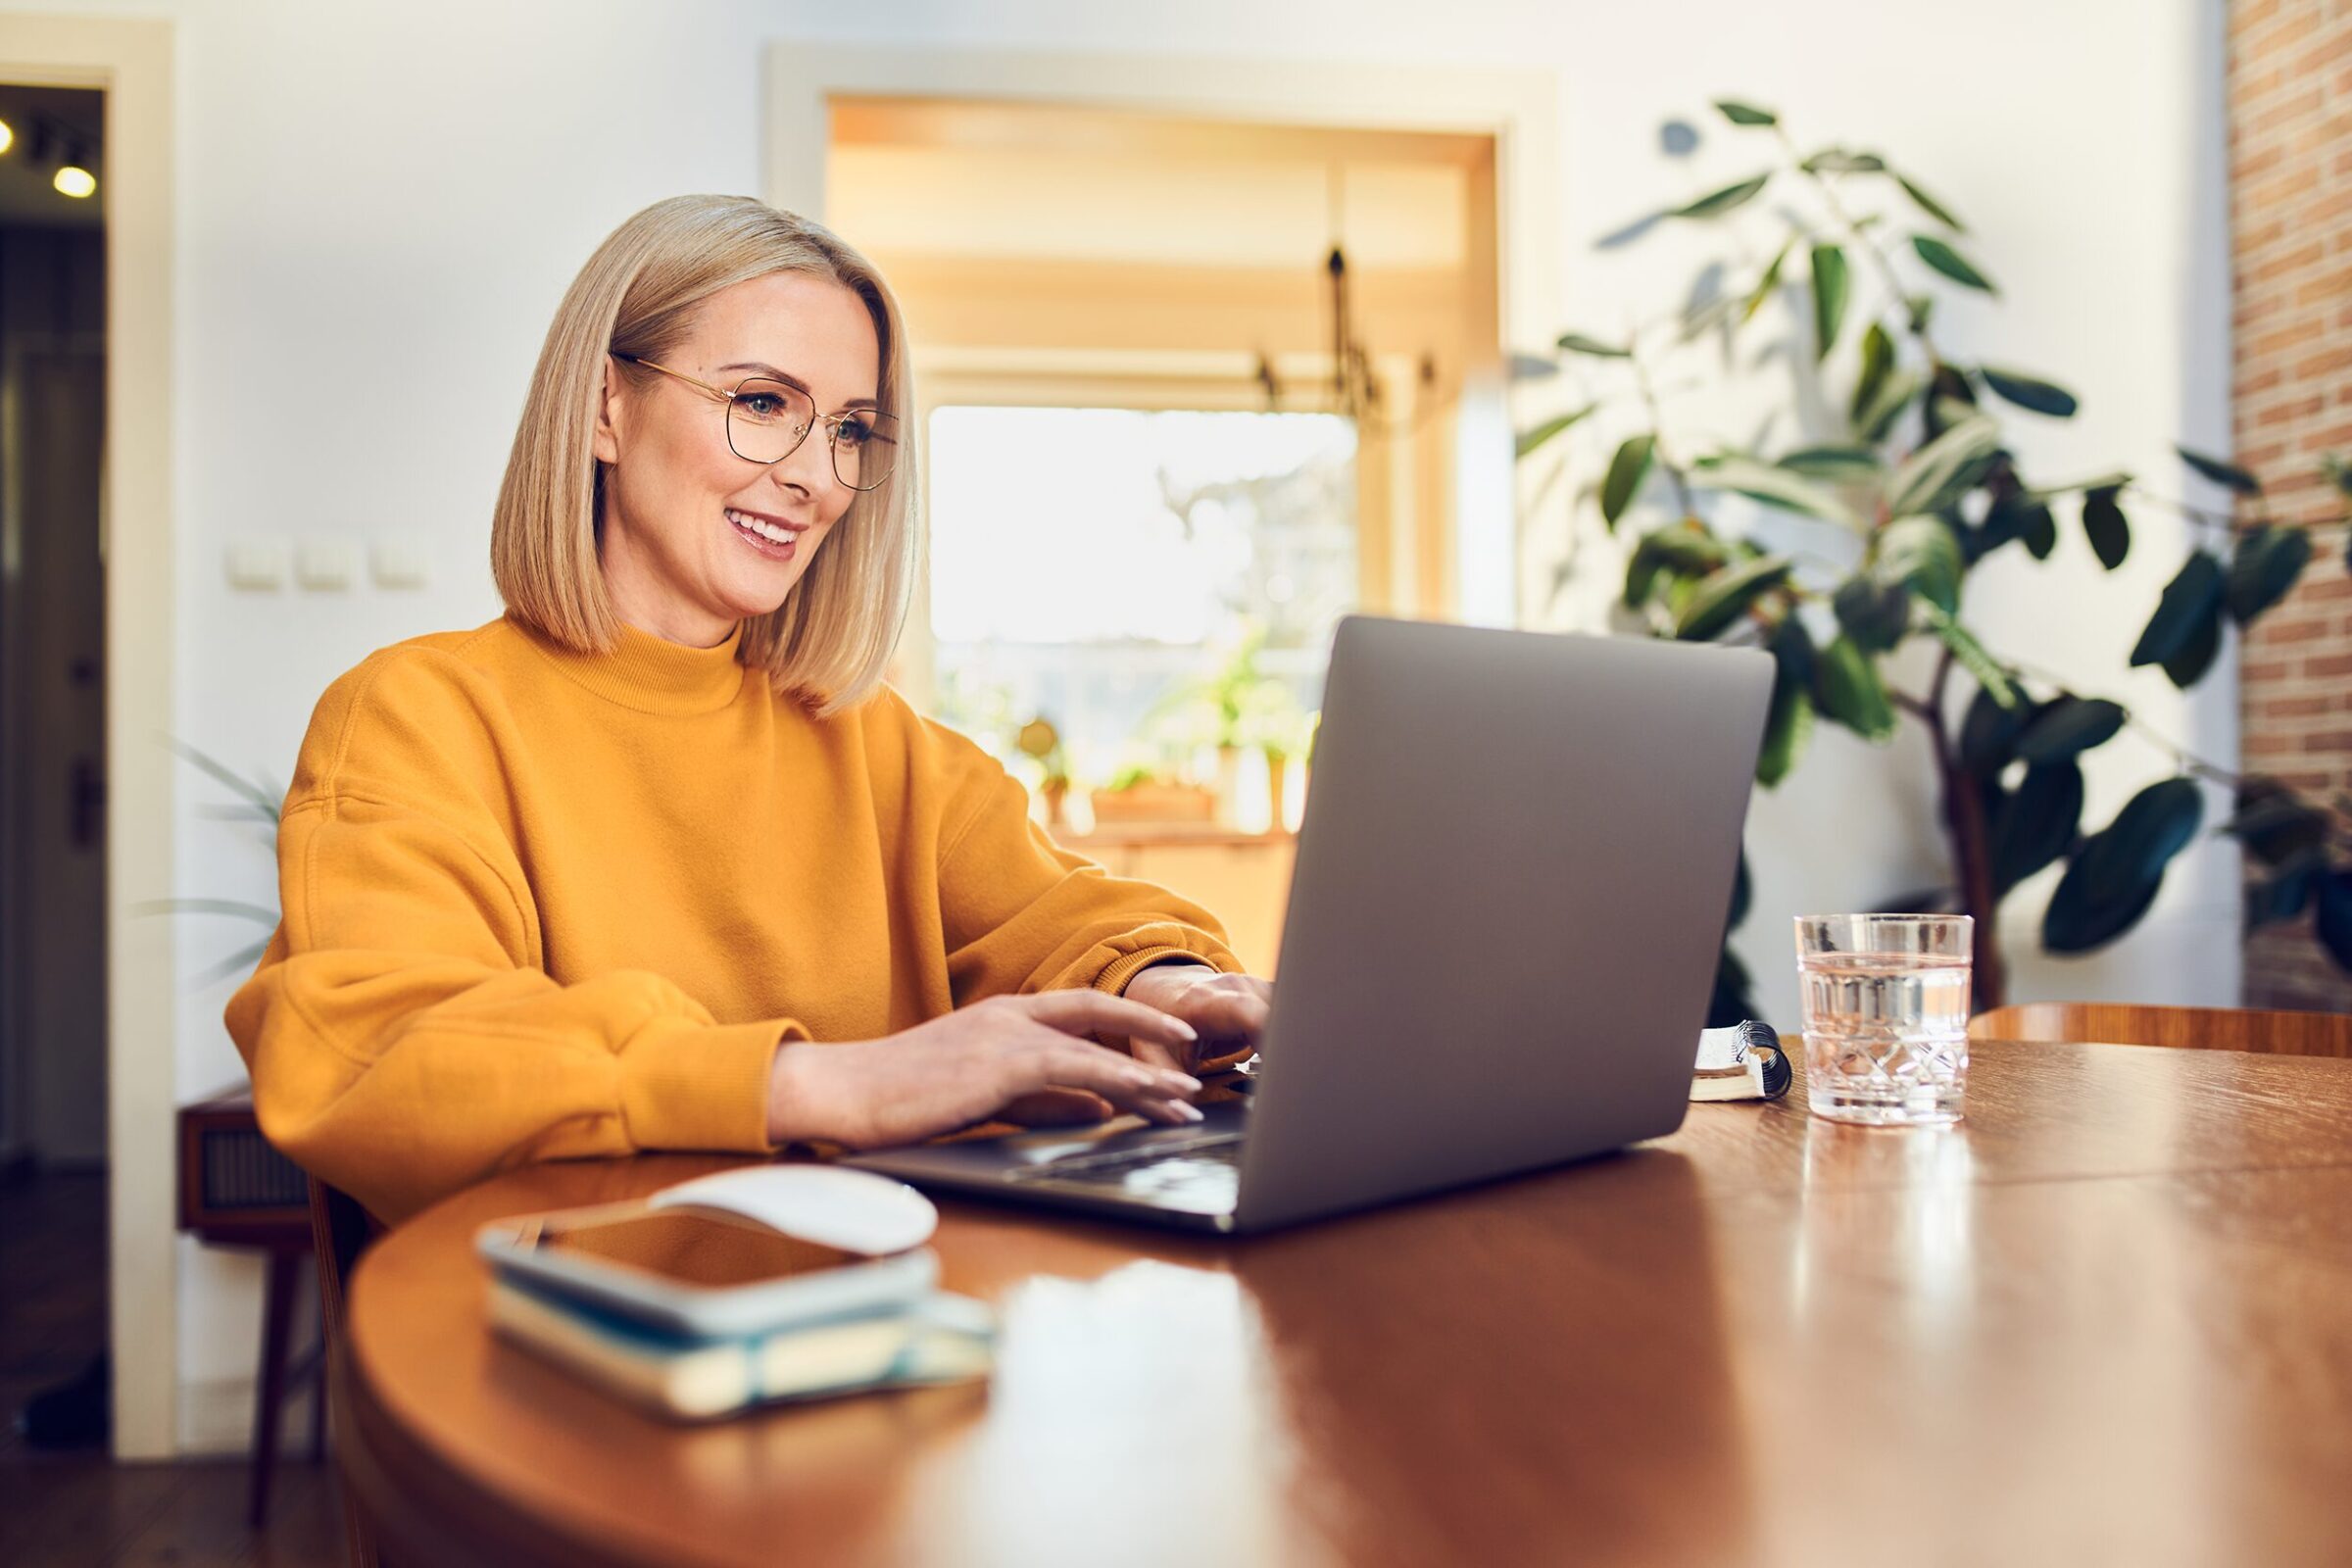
856, 1210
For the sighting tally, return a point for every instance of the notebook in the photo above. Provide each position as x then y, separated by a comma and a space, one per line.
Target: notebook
941, 1339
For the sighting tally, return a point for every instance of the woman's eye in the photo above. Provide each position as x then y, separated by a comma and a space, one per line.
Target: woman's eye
854, 432
761, 405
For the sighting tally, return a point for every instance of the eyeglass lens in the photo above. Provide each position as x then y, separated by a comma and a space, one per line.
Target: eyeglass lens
767, 421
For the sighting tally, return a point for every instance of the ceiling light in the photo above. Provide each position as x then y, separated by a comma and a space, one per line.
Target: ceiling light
75, 181
8, 137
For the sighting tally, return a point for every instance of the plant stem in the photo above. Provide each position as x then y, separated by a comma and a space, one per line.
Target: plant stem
1858, 236
1657, 423
1970, 841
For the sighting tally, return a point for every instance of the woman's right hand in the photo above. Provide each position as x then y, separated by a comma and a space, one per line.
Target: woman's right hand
1023, 1057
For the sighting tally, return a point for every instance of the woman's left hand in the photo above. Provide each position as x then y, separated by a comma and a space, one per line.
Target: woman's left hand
1227, 1010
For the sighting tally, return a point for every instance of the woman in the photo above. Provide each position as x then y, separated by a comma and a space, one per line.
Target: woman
655, 860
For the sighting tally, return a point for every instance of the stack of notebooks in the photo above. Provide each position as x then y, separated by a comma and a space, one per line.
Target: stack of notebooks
753, 1286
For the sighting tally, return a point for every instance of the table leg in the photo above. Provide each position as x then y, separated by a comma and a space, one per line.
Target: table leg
286, 1272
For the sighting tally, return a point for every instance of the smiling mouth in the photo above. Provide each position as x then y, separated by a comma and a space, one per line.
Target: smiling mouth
766, 530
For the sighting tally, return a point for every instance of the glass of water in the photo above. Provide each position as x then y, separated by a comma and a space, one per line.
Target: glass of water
1885, 1000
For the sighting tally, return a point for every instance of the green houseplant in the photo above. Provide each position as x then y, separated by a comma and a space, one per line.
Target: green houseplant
260, 801
1910, 484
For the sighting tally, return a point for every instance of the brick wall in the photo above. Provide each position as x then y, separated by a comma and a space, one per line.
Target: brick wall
2290, 212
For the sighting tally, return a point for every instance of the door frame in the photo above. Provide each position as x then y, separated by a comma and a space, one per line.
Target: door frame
129, 60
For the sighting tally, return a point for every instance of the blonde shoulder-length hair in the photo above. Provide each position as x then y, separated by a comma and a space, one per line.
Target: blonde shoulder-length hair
828, 643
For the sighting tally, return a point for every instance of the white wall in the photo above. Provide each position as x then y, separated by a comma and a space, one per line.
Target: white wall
379, 205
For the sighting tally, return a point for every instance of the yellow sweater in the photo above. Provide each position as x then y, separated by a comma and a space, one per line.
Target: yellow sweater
539, 905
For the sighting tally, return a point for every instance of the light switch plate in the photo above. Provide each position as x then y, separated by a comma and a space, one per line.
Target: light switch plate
325, 565
257, 564
398, 561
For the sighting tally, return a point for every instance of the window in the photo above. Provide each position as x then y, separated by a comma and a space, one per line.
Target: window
1155, 582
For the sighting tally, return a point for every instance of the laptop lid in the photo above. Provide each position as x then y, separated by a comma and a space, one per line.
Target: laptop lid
1510, 892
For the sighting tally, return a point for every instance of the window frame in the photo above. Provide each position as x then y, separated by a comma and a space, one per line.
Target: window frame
1404, 490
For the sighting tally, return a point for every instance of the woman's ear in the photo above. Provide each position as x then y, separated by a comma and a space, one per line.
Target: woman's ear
603, 442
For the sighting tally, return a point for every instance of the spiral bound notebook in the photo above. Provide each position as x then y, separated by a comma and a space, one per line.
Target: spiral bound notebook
1744, 1061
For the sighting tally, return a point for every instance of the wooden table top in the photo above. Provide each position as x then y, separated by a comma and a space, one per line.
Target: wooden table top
2108, 1318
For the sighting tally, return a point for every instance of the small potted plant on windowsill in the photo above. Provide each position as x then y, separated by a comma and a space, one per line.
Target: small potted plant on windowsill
1141, 793
1040, 739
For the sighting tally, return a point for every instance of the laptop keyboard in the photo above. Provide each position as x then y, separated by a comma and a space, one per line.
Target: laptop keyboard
1203, 1177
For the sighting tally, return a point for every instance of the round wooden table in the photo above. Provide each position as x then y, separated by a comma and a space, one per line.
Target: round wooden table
2106, 1319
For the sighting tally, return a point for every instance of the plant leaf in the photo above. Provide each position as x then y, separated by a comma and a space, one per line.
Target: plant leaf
2229, 475
1768, 283
2153, 826
2283, 895
2188, 666
238, 962
260, 797
260, 914
2038, 528
1878, 358
2191, 603
2084, 917
1789, 724
1838, 463
1938, 473
1873, 614
1988, 733
1973, 657
1739, 114
2105, 525
2275, 823
1829, 297
2338, 472
1577, 343
1716, 203
1775, 486
2031, 393
1838, 161
1733, 999
1685, 549
1930, 205
1895, 393
1721, 598
1950, 263
2033, 826
2069, 726
2264, 568
1538, 435
2334, 921
2116, 872
1627, 470
1923, 552
1848, 689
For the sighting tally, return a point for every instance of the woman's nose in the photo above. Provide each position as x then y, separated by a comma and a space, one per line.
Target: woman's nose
808, 466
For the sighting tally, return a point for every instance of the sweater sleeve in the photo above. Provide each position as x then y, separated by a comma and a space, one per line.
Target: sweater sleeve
403, 1035
1022, 914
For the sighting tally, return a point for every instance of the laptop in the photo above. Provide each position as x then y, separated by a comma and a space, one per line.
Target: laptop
1511, 884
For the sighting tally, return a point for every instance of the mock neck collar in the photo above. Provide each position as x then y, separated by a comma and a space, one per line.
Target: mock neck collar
655, 675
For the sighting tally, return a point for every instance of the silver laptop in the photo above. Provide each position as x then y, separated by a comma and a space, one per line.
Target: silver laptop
1510, 891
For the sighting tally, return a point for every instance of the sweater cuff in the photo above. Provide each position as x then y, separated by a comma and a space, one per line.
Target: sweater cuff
1127, 967
685, 1085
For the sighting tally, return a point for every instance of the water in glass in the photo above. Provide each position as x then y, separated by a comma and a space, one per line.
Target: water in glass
1885, 1034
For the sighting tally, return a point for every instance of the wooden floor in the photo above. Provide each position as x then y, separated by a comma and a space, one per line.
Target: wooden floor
79, 1510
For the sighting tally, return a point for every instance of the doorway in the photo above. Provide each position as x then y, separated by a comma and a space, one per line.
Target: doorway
53, 927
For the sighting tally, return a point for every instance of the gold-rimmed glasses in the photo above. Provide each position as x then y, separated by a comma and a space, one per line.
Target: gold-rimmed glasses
767, 419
